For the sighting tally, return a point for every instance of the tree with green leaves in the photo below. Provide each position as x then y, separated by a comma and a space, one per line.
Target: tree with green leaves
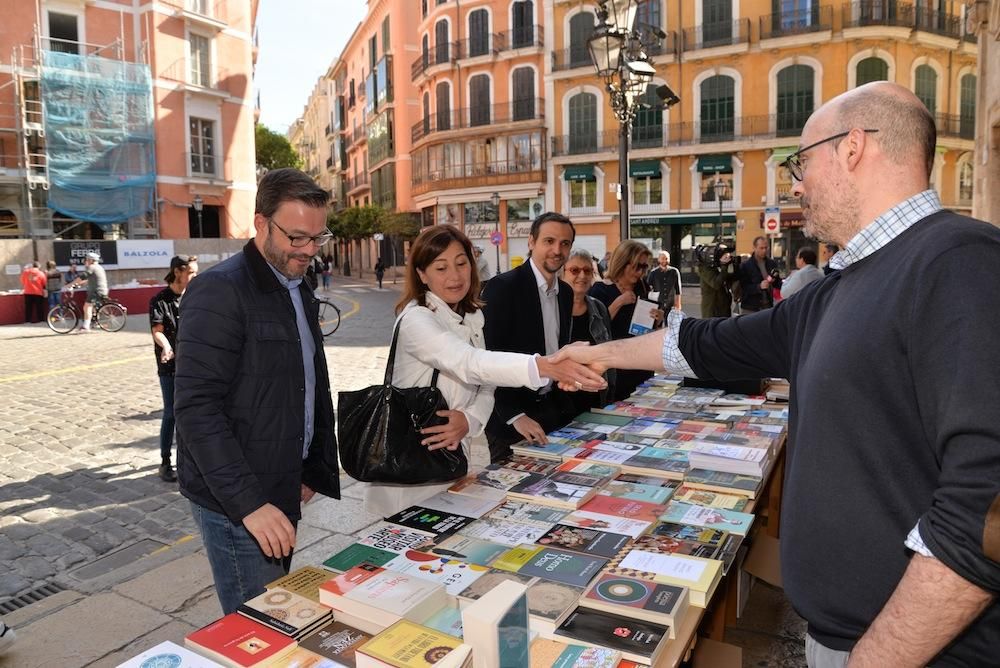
354, 224
273, 150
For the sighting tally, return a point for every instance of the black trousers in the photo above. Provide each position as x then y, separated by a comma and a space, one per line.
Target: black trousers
34, 308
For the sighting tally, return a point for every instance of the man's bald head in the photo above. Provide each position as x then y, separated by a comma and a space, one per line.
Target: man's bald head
906, 131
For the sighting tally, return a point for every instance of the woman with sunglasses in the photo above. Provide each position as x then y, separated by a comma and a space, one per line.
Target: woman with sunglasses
622, 285
591, 321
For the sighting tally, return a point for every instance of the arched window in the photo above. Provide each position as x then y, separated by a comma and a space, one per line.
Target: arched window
523, 83
965, 182
479, 100
443, 94
583, 123
967, 107
479, 33
872, 69
441, 46
718, 108
581, 26
647, 128
925, 87
795, 98
522, 17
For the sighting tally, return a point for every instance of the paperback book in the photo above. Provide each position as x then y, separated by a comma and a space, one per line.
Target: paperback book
470, 486
496, 626
169, 655
504, 479
285, 612
551, 564
540, 465
407, 644
336, 642
394, 538
236, 640
504, 532
635, 491
703, 497
610, 523
619, 507
658, 461
303, 581
688, 513
553, 449
431, 521
727, 483
528, 513
584, 541
468, 549
671, 545
637, 640
358, 553
459, 504
700, 576
553, 492
640, 599
453, 574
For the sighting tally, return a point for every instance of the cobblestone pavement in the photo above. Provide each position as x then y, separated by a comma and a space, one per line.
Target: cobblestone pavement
79, 437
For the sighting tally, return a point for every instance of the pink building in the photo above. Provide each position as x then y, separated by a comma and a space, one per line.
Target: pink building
127, 119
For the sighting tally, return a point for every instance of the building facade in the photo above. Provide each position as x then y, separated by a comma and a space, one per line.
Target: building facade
498, 115
176, 73
983, 18
748, 73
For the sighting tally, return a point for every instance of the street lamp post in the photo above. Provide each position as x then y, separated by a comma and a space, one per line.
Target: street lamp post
495, 201
198, 203
719, 186
616, 47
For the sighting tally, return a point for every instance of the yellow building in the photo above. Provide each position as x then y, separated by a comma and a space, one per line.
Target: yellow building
748, 74
983, 17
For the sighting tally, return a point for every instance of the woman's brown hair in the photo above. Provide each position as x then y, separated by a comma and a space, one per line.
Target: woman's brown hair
628, 252
428, 245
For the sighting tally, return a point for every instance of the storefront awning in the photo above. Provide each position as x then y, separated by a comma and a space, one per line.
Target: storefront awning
683, 219
718, 162
778, 155
641, 168
579, 173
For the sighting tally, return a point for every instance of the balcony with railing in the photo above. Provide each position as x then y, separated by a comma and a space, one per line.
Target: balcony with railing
440, 54
571, 58
530, 109
522, 37
661, 46
479, 174
211, 13
577, 144
955, 126
711, 35
890, 13
818, 18
357, 183
938, 22
360, 135
208, 80
329, 162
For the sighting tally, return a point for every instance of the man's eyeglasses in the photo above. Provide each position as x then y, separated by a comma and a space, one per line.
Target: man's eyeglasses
793, 163
300, 241
575, 271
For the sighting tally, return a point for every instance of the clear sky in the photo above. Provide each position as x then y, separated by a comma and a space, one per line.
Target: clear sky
298, 41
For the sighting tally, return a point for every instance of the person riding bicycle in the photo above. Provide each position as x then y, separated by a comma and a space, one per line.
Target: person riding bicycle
97, 286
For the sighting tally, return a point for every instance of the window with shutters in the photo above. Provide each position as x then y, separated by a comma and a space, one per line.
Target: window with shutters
795, 98
965, 174
717, 22
425, 50
200, 51
202, 131
522, 21
442, 48
647, 128
648, 15
582, 194
718, 108
583, 123
872, 69
479, 98
427, 113
647, 190
479, 33
581, 27
523, 82
385, 36
925, 87
443, 105
967, 107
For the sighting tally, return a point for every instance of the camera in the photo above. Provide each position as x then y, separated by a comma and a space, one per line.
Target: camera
711, 255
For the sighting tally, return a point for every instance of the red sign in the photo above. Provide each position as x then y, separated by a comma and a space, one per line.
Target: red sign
496, 238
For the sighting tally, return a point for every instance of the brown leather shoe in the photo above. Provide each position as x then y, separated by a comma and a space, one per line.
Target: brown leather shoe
167, 474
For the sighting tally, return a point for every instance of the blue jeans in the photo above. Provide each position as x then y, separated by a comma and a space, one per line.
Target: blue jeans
167, 425
53, 299
239, 568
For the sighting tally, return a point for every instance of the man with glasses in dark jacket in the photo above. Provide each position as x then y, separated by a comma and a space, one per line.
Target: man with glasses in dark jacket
255, 427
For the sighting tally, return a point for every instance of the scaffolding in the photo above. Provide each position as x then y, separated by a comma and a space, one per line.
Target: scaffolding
76, 141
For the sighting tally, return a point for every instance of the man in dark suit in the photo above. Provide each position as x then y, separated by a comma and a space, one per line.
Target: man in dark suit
758, 276
528, 310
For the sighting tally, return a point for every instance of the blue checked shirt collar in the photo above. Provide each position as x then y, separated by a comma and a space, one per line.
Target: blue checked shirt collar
886, 227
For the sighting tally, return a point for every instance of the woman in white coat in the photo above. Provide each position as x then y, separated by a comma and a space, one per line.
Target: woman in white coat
441, 327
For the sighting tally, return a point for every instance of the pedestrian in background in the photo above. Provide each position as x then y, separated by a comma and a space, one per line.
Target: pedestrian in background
622, 286
33, 282
54, 282
72, 274
164, 316
758, 275
379, 272
327, 269
806, 272
665, 280
255, 429
97, 286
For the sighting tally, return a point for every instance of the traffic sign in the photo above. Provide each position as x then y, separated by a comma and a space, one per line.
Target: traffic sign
772, 220
378, 236
496, 238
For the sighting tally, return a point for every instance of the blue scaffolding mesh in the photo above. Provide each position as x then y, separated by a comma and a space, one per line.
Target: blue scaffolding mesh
99, 137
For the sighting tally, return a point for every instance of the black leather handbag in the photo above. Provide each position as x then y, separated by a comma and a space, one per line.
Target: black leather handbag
378, 429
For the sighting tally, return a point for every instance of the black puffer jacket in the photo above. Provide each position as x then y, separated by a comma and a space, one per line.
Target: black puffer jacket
238, 393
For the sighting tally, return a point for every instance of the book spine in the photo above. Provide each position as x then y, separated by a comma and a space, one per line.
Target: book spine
267, 620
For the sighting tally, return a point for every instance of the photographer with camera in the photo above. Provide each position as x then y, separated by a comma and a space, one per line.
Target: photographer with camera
718, 276
758, 277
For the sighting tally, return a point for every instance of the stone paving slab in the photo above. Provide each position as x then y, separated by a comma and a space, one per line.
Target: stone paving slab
189, 578
174, 630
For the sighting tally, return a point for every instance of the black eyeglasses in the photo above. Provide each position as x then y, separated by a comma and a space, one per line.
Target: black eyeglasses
794, 165
300, 241
642, 266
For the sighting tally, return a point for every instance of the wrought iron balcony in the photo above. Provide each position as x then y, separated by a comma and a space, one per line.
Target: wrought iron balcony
530, 109
797, 22
709, 35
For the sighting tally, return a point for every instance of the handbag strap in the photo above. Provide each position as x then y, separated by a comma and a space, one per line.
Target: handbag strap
391, 362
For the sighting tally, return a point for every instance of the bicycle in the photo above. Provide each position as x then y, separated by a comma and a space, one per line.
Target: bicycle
329, 317
109, 314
